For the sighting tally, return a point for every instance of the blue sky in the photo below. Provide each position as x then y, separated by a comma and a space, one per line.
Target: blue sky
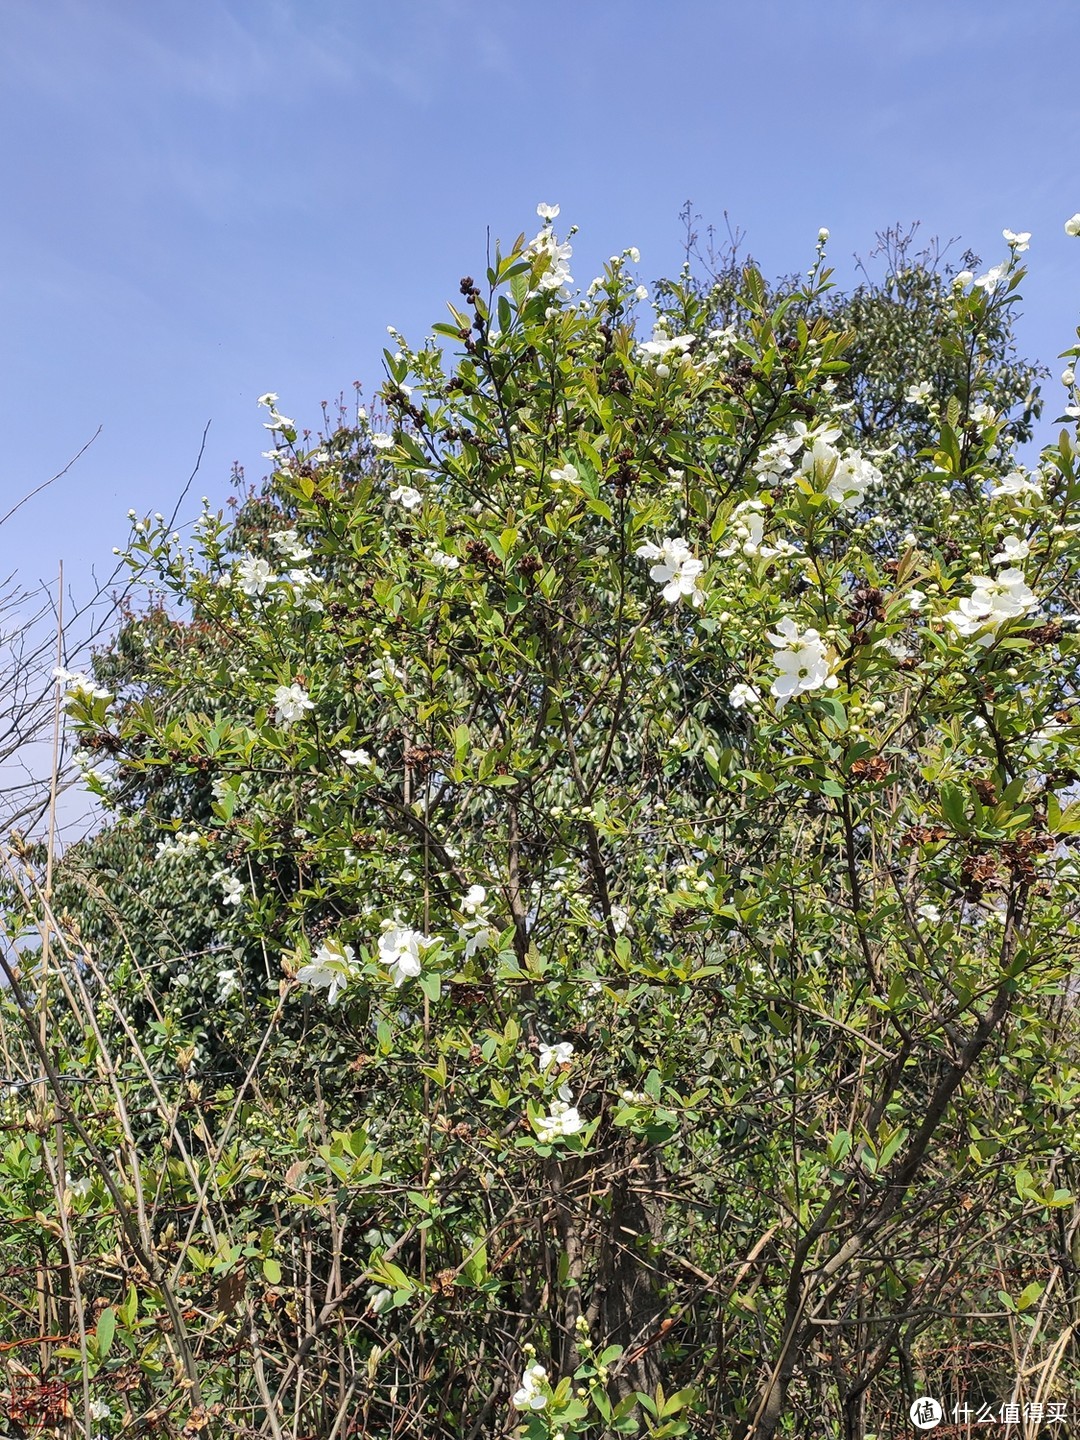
206, 201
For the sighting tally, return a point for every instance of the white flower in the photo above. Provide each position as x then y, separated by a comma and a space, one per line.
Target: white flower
474, 899
290, 702
563, 1119
269, 400
930, 912
386, 670
822, 235
676, 569
916, 600
407, 496
228, 984
802, 662
1016, 243
1068, 377
279, 422
567, 472
477, 935
919, 394
1072, 227
253, 574
560, 1053
99, 1409
641, 293
620, 918
356, 757
993, 277
382, 441
1016, 483
399, 950
741, 695
232, 888
663, 344
991, 603
378, 1299
635, 255
330, 970
547, 212
965, 277
1013, 548
530, 1397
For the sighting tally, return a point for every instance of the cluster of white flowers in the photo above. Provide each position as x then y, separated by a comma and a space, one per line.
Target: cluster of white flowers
288, 544
774, 462
331, 970
676, 569
556, 274
276, 421
290, 702
232, 888
846, 476
184, 843
441, 559
531, 1394
664, 347
563, 1117
476, 932
802, 661
399, 950
254, 574
747, 525
79, 685
991, 602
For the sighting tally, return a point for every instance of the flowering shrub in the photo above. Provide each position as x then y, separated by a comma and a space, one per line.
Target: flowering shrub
785, 869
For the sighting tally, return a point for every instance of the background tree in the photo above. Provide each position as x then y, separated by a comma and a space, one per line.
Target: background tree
700, 1068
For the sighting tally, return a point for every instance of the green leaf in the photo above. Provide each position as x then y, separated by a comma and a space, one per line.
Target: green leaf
271, 1271
106, 1329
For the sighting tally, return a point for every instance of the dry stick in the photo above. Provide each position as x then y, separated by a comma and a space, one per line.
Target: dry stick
59, 1182
43, 996
202, 1193
89, 1022
145, 1256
